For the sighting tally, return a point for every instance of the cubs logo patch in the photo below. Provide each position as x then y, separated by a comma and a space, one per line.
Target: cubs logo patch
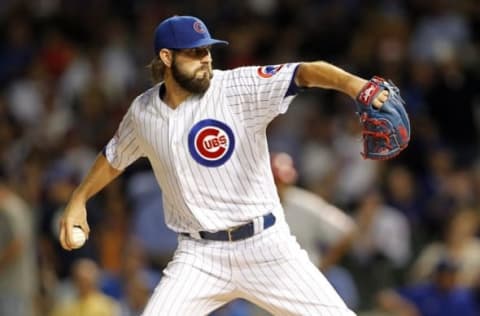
211, 142
268, 71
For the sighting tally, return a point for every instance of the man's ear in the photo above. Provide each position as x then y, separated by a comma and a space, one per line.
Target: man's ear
166, 56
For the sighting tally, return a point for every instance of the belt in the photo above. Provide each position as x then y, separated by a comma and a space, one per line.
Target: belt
236, 233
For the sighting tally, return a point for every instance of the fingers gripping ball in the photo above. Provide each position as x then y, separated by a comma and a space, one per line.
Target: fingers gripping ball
78, 237
386, 130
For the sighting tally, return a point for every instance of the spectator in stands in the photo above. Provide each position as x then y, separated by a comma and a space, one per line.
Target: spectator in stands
439, 296
18, 273
459, 243
88, 299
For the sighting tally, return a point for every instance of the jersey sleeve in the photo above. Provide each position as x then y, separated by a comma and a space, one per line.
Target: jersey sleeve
259, 93
123, 149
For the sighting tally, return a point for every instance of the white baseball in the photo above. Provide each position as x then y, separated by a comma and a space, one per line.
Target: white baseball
78, 237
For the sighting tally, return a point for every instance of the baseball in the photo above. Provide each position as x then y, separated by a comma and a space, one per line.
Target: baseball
78, 237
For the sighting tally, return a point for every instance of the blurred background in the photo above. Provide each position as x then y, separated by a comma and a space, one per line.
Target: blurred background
70, 68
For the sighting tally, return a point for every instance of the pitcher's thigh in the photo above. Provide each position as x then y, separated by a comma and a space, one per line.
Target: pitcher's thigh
187, 290
293, 287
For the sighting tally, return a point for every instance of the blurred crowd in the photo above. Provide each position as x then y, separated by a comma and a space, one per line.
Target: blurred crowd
70, 68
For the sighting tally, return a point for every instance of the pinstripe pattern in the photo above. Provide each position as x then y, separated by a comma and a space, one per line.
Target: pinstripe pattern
196, 197
269, 268
197, 281
280, 278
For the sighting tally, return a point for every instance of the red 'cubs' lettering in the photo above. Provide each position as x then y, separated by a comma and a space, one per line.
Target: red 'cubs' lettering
215, 142
209, 144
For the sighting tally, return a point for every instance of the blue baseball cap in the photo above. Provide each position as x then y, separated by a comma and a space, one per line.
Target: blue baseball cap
180, 32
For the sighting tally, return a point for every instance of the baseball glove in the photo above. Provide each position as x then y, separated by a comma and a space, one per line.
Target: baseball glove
386, 131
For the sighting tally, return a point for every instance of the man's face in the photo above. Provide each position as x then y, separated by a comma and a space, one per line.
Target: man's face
192, 69
446, 280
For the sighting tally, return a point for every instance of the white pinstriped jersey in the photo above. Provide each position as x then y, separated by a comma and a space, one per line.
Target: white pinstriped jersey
210, 154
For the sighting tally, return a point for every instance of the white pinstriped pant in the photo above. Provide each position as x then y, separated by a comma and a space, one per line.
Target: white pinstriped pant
268, 269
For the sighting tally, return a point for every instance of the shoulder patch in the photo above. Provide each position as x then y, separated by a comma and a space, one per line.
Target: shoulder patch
268, 71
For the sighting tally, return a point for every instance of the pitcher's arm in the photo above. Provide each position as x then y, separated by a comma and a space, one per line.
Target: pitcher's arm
75, 214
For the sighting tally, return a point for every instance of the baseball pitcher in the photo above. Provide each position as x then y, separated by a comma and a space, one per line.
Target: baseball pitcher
204, 133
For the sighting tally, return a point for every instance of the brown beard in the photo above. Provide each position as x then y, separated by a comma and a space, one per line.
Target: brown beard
189, 82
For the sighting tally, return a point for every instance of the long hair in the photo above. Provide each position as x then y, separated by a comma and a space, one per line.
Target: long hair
157, 70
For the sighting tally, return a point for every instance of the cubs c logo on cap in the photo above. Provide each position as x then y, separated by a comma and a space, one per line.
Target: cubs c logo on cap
268, 71
211, 142
198, 27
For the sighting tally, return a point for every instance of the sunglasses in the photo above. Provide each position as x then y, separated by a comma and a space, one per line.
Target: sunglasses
197, 52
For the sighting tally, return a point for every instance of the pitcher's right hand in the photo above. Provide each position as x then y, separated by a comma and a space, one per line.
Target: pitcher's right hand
75, 214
